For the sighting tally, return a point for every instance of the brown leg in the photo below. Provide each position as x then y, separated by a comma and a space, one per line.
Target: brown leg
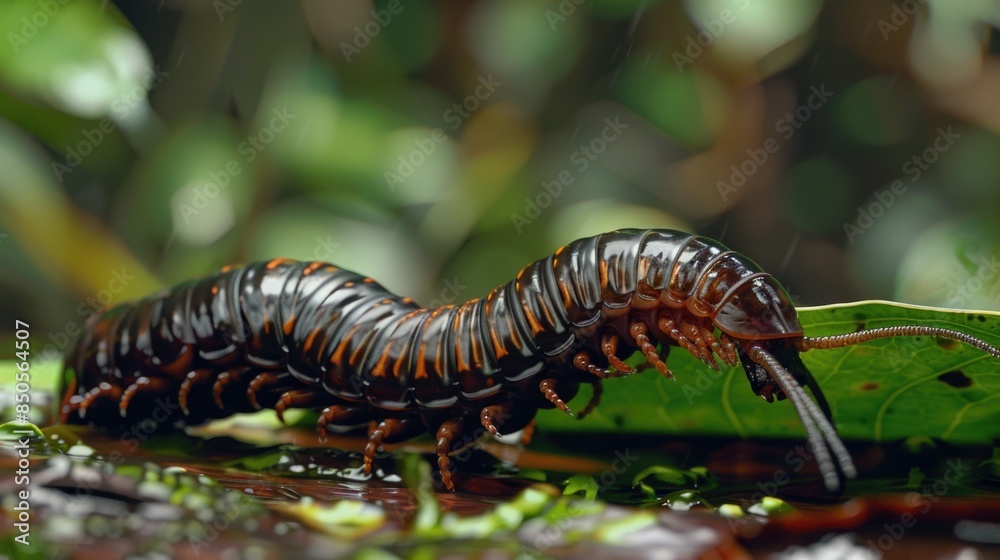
581, 361
381, 431
220, 384
609, 344
548, 388
506, 417
704, 351
105, 389
492, 417
155, 384
71, 405
262, 380
298, 398
729, 354
388, 431
528, 433
668, 327
595, 400
193, 378
640, 332
339, 415
447, 435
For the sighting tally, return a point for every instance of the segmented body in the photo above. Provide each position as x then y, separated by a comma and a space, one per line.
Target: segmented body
287, 334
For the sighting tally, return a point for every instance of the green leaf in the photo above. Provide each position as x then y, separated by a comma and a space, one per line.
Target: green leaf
881, 390
582, 483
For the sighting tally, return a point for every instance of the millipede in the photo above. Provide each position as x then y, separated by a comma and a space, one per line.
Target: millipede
286, 334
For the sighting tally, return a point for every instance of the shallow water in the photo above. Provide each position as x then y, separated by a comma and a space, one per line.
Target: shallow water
240, 489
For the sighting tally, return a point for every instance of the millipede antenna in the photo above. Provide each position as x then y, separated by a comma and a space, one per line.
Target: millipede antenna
841, 340
822, 436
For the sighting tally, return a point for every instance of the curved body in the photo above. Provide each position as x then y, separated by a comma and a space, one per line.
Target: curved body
287, 334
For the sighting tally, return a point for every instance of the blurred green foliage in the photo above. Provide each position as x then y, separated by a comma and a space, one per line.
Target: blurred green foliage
441, 146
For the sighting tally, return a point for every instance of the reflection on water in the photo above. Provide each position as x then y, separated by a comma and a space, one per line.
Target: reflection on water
250, 492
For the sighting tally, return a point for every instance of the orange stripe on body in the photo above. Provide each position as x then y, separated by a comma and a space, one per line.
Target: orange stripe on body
275, 263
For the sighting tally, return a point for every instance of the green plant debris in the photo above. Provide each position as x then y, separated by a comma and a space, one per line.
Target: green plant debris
582, 483
770, 506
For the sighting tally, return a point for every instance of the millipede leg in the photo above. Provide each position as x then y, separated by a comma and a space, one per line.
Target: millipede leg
381, 431
695, 346
492, 417
221, 381
527, 433
698, 347
581, 361
72, 404
713, 345
389, 430
193, 378
298, 398
225, 379
668, 327
640, 332
548, 388
154, 384
339, 415
595, 400
506, 417
446, 437
262, 380
609, 344
728, 353
105, 389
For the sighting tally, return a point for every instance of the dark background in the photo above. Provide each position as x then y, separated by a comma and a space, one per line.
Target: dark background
850, 148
